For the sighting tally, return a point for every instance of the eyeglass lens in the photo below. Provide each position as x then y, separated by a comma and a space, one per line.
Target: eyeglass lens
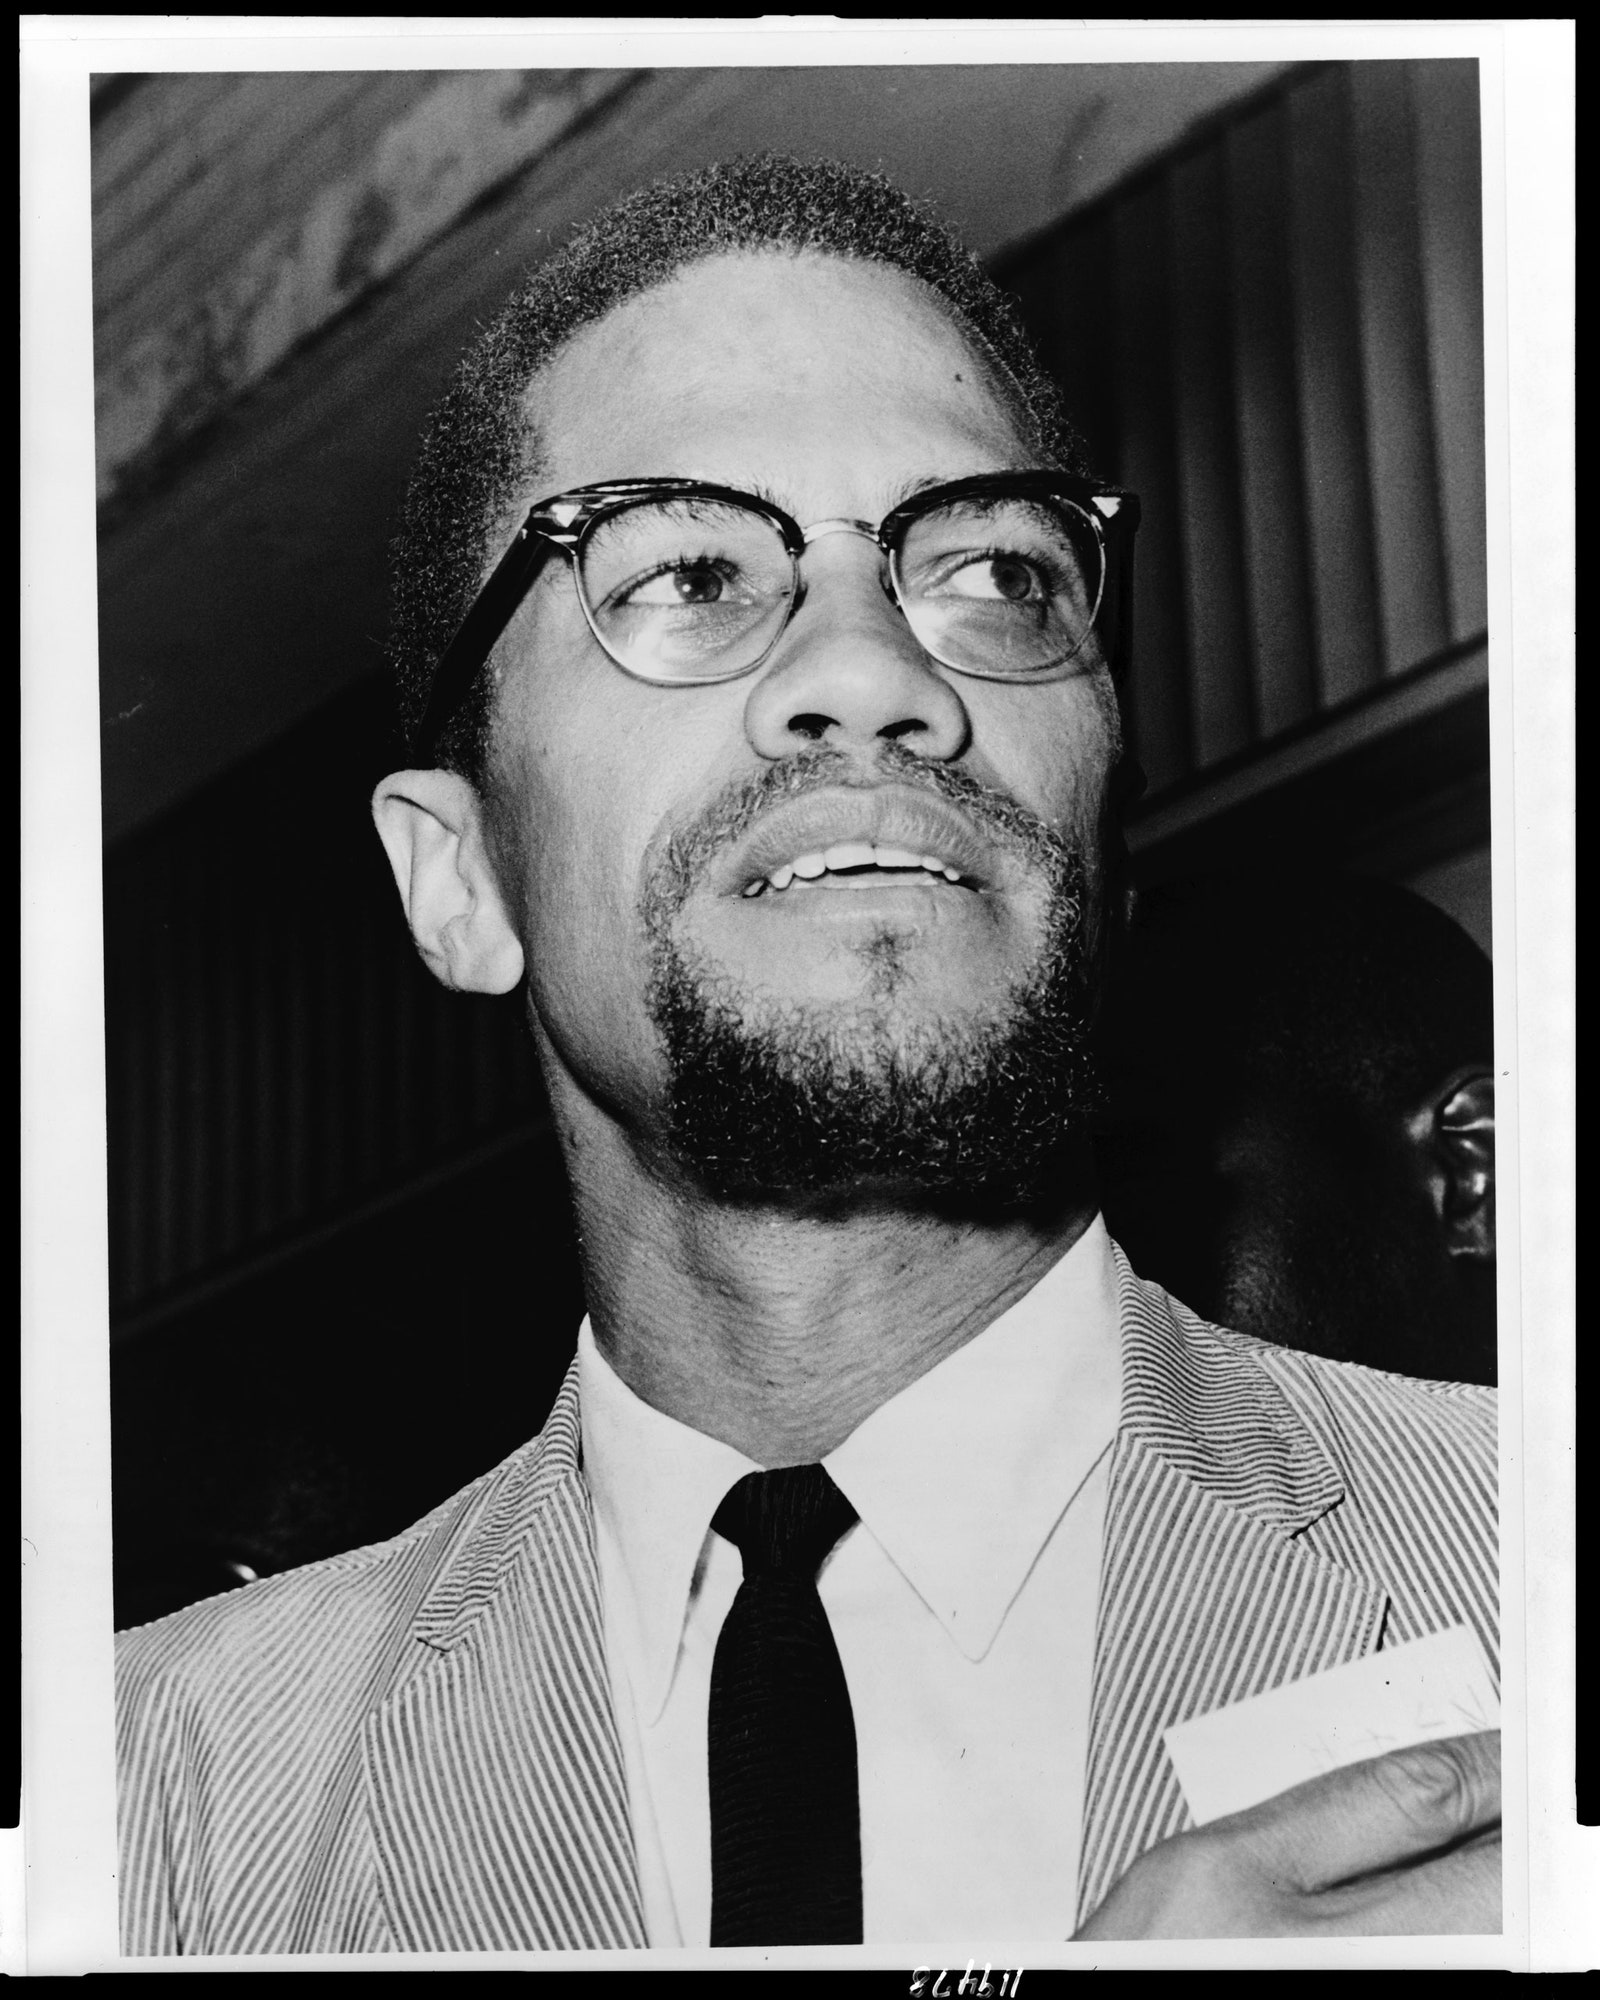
697, 589
687, 589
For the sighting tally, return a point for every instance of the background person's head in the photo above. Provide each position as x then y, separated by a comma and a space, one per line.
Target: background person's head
1301, 1140
802, 334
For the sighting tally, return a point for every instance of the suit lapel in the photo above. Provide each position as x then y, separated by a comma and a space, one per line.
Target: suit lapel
1206, 1594
495, 1773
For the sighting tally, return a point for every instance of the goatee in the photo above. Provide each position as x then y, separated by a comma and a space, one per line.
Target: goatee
769, 1102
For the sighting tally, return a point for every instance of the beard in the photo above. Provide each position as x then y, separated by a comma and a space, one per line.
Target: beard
769, 1100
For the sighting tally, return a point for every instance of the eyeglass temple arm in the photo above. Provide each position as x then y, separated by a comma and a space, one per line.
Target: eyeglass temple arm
495, 607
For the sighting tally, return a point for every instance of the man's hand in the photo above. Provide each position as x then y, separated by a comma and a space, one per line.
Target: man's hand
1403, 1845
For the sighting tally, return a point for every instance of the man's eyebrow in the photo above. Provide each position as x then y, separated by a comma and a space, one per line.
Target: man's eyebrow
911, 488
760, 490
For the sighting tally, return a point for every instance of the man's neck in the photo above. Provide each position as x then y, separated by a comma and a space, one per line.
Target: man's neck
780, 1329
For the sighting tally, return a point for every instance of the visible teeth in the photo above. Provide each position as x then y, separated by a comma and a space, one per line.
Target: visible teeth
850, 854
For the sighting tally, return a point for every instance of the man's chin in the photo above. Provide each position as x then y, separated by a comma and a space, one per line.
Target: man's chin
883, 1101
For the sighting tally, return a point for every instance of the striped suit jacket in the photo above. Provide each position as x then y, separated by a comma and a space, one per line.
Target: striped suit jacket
412, 1748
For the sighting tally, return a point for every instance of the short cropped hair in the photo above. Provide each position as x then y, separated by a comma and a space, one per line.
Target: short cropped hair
481, 447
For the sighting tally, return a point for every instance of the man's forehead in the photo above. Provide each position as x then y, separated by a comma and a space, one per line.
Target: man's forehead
730, 300
739, 346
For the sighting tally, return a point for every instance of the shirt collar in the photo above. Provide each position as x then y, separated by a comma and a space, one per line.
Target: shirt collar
960, 1478
963, 1476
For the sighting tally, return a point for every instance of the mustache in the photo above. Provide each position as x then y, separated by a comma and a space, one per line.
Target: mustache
729, 816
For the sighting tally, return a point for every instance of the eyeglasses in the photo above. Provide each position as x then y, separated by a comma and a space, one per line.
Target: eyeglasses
1004, 576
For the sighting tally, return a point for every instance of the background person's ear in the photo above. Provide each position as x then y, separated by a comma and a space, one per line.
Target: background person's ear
1454, 1128
431, 826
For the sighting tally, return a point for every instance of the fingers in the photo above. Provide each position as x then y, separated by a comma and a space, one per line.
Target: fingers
1378, 1814
1403, 1845
1198, 1885
1453, 1895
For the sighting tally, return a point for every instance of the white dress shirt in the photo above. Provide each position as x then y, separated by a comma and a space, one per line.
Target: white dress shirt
962, 1603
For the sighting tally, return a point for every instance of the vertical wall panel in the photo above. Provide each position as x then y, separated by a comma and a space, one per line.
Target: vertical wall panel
1220, 675
409, 1107
1064, 300
195, 1167
1277, 576
1158, 698
1297, 395
129, 1188
486, 1079
269, 948
454, 1069
334, 1080
164, 1166
229, 1104
1444, 101
374, 1016
299, 1065
1343, 560
1394, 354
347, 1032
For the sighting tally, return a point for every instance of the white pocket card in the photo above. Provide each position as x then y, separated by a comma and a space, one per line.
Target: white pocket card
1236, 1757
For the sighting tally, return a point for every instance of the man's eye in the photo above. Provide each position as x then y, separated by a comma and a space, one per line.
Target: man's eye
992, 577
678, 584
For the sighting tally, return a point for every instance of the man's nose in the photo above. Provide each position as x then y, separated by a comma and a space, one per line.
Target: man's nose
848, 671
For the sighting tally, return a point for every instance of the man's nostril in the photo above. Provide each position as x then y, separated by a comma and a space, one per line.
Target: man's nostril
812, 727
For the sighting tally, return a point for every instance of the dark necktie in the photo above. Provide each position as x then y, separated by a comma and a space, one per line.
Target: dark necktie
785, 1812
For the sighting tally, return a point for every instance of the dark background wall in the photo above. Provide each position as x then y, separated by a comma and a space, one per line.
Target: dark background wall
343, 1278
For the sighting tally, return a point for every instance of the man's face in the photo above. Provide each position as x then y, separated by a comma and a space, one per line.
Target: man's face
648, 832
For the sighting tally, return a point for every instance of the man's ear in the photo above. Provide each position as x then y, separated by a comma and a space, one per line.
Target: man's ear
1454, 1130
431, 826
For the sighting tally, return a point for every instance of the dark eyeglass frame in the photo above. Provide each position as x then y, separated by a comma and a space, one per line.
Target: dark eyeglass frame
561, 522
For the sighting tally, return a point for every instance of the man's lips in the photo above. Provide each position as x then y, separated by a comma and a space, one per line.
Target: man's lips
857, 864
881, 835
